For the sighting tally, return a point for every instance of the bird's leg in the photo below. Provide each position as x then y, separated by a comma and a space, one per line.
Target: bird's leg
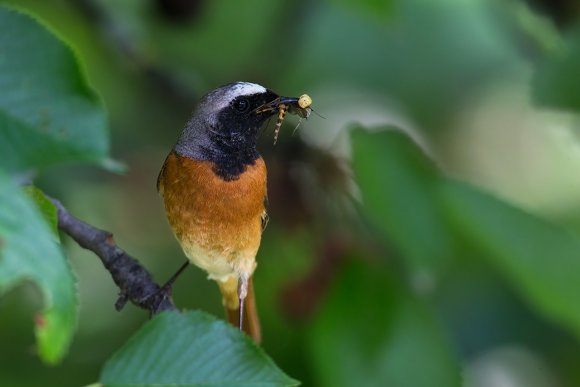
167, 286
242, 293
164, 291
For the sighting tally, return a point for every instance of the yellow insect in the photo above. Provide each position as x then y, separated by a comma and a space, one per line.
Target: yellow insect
282, 109
298, 106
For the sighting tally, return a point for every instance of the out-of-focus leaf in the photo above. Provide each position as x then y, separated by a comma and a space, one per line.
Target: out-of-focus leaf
397, 184
377, 9
556, 81
48, 113
46, 208
540, 259
428, 56
191, 349
372, 333
28, 252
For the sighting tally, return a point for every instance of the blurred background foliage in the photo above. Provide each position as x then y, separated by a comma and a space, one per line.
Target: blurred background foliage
449, 259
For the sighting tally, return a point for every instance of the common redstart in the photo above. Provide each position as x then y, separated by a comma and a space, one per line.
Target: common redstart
213, 184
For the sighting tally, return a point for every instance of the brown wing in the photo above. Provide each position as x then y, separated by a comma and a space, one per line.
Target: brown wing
160, 177
265, 218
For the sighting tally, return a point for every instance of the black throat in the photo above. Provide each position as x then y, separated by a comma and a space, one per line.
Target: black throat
231, 153
229, 143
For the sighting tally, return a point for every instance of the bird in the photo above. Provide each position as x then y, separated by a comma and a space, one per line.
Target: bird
213, 185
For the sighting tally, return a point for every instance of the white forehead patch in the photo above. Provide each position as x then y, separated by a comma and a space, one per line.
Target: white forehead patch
244, 88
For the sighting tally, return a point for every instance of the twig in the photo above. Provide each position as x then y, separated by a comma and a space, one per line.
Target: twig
134, 281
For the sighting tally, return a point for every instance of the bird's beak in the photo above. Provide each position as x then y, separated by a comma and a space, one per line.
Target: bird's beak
273, 105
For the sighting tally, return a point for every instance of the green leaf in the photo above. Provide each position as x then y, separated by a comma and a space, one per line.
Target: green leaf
539, 258
556, 83
397, 185
415, 53
28, 251
48, 113
191, 349
372, 333
422, 212
379, 10
46, 208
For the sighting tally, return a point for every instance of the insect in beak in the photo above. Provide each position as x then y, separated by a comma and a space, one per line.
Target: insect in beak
297, 106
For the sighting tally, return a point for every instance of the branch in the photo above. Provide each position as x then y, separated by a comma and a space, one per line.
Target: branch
134, 281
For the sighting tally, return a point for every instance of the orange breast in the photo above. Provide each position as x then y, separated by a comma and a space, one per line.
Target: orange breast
217, 222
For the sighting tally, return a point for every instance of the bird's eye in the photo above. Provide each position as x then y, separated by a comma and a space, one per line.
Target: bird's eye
242, 105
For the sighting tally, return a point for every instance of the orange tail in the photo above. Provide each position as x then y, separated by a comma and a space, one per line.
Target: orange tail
251, 323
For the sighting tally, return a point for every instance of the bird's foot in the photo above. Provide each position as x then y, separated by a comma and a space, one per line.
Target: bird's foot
165, 291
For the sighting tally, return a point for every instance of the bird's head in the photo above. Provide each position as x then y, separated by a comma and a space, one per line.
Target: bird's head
224, 128
232, 109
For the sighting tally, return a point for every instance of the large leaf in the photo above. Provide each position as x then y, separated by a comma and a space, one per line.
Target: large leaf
48, 113
539, 258
397, 182
28, 251
46, 208
372, 333
191, 349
